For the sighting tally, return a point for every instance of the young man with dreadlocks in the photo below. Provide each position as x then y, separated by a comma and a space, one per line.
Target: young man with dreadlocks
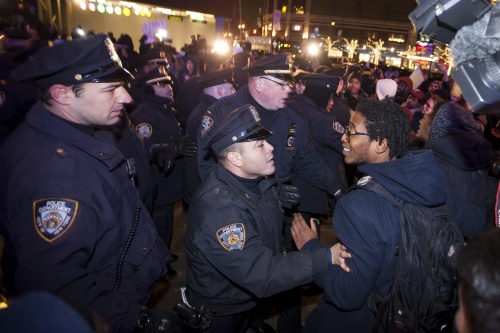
367, 224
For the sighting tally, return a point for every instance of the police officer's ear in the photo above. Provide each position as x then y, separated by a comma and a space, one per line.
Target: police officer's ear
256, 83
60, 93
235, 159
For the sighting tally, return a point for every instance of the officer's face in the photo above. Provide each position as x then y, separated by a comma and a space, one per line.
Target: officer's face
226, 89
274, 93
257, 159
357, 146
163, 90
98, 104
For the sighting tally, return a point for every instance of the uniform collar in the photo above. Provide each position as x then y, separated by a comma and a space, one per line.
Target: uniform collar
101, 146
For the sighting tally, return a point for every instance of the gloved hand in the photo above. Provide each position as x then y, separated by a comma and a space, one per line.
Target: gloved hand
151, 321
185, 147
288, 195
163, 156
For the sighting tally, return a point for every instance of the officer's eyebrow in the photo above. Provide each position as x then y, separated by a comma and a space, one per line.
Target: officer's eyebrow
114, 86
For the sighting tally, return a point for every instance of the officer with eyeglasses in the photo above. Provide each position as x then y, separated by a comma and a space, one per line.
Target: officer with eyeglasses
155, 121
268, 89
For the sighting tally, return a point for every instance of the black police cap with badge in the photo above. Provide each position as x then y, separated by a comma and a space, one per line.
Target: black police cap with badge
155, 57
91, 59
277, 65
241, 125
215, 78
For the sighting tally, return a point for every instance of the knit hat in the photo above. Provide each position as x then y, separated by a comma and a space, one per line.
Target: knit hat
439, 83
354, 75
386, 88
452, 118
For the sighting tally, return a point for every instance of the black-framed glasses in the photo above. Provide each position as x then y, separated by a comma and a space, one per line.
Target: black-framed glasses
348, 133
283, 85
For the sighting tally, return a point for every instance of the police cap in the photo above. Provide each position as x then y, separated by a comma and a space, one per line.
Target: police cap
277, 65
323, 81
157, 75
214, 78
91, 59
241, 125
156, 57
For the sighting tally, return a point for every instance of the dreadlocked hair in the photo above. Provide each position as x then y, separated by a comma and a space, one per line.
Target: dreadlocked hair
386, 120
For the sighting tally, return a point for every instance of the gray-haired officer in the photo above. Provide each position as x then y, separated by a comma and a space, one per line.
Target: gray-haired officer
234, 239
72, 217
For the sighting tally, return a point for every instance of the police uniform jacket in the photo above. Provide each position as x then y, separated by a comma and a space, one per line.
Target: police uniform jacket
326, 134
155, 122
368, 225
191, 175
67, 207
292, 151
234, 246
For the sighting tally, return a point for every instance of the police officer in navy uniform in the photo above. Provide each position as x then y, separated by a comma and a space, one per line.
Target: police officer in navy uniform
268, 89
326, 134
234, 238
216, 85
155, 122
72, 218
190, 91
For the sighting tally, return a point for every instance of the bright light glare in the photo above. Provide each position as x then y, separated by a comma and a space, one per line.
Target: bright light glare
221, 47
313, 49
161, 34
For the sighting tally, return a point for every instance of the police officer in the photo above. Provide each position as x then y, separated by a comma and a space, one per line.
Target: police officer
72, 219
190, 91
216, 84
268, 89
326, 134
234, 239
155, 122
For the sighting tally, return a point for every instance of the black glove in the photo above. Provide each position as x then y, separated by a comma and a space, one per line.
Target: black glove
288, 195
151, 321
185, 147
163, 156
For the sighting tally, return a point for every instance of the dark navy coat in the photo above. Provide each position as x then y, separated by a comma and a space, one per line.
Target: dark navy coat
326, 134
191, 175
298, 154
234, 246
67, 207
155, 122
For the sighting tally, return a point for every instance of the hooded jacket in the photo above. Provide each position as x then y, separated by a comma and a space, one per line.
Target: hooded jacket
368, 225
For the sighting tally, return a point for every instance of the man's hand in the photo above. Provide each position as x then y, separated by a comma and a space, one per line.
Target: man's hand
301, 232
185, 147
339, 255
288, 195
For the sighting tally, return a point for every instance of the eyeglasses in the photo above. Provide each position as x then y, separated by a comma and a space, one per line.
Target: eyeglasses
283, 85
348, 133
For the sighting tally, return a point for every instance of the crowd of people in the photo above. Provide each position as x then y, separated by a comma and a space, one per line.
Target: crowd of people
99, 141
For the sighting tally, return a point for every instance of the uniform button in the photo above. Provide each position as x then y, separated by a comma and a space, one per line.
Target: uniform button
61, 151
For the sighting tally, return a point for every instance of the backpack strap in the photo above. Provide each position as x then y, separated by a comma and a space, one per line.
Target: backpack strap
370, 184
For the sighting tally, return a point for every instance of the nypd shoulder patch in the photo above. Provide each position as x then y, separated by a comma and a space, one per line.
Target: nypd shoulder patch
53, 217
338, 127
206, 123
232, 236
145, 130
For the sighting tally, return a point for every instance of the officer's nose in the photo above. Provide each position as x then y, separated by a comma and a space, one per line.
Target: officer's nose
269, 147
124, 97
